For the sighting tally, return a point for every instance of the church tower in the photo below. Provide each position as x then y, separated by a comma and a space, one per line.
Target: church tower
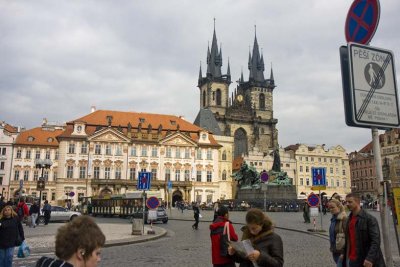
214, 87
248, 114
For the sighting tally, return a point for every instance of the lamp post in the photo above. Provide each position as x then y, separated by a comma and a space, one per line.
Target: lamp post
42, 164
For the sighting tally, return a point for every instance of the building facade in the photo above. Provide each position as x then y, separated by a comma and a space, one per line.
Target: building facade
31, 145
8, 134
390, 152
335, 160
246, 114
102, 153
363, 173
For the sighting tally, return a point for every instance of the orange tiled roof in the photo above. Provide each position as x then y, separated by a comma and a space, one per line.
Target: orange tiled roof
40, 137
122, 118
98, 119
11, 129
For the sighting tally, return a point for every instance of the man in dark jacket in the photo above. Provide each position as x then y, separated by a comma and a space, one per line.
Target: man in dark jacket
47, 212
363, 241
217, 229
34, 212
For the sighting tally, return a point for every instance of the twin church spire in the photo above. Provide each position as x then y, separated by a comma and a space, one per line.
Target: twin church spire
214, 65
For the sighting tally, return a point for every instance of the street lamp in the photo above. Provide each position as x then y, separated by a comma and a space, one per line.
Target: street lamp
42, 164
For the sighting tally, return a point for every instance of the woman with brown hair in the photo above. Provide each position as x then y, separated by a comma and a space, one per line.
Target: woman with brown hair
78, 244
11, 235
336, 229
268, 246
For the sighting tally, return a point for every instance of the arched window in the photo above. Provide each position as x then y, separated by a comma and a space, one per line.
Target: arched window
240, 142
224, 155
204, 98
224, 175
262, 101
218, 102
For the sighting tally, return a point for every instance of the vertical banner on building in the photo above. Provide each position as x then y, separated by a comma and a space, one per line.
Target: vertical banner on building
396, 196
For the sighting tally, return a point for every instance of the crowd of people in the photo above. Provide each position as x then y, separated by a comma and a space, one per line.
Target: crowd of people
354, 238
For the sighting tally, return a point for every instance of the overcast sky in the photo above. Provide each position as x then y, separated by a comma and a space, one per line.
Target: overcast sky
58, 58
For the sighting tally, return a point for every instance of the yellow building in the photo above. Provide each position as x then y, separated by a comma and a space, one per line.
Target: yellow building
335, 160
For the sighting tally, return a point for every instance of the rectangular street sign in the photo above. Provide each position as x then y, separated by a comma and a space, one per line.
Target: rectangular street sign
318, 187
373, 89
318, 176
144, 181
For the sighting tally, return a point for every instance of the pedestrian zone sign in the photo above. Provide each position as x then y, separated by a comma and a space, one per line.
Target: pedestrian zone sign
144, 181
373, 88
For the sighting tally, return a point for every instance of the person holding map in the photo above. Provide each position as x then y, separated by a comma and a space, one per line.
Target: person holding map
268, 246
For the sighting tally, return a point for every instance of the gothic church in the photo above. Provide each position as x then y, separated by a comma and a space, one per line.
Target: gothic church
247, 114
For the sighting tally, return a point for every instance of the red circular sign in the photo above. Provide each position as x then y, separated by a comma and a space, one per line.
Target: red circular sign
362, 21
152, 203
313, 200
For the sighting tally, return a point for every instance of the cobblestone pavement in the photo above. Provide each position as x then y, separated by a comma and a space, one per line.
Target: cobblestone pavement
184, 247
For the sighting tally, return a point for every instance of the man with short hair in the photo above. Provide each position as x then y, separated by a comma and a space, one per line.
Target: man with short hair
363, 241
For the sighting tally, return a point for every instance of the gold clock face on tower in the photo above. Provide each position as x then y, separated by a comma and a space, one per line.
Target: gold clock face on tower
239, 98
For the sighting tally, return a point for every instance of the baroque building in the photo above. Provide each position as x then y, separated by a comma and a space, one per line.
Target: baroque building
102, 153
335, 160
245, 114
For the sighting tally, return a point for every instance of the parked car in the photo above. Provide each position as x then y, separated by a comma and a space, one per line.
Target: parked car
59, 214
161, 215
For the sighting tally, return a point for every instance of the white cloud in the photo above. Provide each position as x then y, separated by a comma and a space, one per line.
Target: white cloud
59, 58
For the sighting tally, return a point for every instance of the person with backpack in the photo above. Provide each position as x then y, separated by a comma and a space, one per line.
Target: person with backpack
222, 229
22, 210
47, 212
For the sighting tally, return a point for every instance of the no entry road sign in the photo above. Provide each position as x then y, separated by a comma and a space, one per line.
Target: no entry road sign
362, 21
313, 200
152, 203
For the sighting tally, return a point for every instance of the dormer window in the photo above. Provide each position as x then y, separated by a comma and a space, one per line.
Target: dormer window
50, 139
173, 122
141, 120
31, 139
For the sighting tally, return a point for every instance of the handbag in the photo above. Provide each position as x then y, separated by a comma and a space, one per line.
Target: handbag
224, 241
24, 250
340, 237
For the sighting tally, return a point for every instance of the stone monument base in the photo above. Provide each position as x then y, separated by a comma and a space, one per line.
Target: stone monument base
273, 192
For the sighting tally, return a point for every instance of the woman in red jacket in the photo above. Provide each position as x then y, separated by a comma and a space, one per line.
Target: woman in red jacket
221, 258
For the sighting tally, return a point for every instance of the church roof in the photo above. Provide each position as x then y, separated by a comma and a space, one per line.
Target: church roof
205, 119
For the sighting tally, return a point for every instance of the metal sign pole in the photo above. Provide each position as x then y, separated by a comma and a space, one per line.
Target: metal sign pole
144, 209
383, 203
320, 206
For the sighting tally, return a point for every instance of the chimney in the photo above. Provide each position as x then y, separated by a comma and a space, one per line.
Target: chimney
181, 117
44, 122
92, 109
